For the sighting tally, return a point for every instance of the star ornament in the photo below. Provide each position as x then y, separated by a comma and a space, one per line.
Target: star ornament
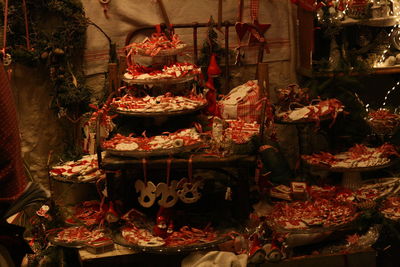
257, 32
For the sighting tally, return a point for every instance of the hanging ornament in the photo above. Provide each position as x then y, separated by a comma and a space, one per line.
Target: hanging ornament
257, 32
167, 190
111, 214
213, 68
146, 189
188, 190
228, 193
147, 193
168, 194
241, 30
105, 4
164, 225
7, 60
256, 29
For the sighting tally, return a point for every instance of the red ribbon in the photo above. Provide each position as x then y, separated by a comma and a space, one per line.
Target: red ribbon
5, 27
144, 163
190, 168
254, 8
169, 161
28, 44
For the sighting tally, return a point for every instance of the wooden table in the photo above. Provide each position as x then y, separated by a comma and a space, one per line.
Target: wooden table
123, 256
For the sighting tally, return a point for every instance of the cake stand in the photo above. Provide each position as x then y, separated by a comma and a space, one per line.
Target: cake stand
351, 177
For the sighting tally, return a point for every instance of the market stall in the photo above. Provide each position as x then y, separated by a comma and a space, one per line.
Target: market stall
181, 158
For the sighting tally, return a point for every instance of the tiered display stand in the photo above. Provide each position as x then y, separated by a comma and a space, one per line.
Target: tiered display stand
239, 167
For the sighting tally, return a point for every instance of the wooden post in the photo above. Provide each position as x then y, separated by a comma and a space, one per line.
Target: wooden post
227, 78
113, 77
240, 11
121, 68
195, 52
263, 83
219, 25
263, 78
165, 16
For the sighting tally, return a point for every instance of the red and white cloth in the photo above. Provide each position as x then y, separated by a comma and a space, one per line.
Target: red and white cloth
242, 103
12, 177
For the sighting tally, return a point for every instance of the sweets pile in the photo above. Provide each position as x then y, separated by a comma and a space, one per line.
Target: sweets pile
357, 156
85, 169
162, 103
176, 70
184, 137
157, 44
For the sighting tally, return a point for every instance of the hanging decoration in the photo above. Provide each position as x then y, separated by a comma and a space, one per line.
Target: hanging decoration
167, 190
29, 40
212, 51
188, 190
146, 189
254, 31
105, 4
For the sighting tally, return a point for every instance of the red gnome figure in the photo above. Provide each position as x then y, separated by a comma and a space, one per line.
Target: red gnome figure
164, 225
211, 95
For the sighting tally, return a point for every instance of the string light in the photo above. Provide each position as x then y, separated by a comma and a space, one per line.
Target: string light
366, 107
389, 92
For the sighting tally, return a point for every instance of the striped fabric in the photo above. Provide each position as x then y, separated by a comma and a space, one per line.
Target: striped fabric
12, 177
248, 109
243, 103
254, 8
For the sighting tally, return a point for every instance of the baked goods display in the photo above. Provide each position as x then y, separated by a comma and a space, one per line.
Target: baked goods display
78, 236
176, 72
358, 156
377, 190
179, 139
158, 105
241, 132
391, 208
84, 170
316, 111
383, 121
157, 45
295, 105
303, 215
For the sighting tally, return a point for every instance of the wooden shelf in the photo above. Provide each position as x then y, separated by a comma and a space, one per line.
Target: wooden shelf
199, 161
306, 42
373, 22
375, 71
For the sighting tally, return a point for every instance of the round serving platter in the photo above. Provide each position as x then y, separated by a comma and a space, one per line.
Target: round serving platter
153, 153
120, 240
161, 53
352, 169
279, 120
183, 79
159, 113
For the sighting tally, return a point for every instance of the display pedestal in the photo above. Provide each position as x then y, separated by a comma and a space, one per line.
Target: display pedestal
351, 180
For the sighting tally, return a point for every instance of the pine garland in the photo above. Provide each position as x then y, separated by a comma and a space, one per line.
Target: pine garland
57, 35
210, 46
